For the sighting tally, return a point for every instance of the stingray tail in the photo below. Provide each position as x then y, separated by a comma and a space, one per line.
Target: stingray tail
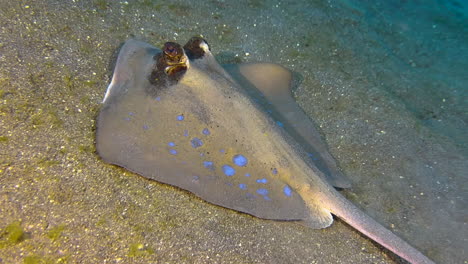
369, 227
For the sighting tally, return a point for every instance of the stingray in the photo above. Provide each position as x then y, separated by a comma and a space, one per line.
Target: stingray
232, 135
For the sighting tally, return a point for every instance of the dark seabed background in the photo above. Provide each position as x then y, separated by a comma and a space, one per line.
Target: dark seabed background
386, 81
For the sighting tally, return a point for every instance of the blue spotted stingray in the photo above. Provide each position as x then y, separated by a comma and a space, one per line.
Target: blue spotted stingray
232, 135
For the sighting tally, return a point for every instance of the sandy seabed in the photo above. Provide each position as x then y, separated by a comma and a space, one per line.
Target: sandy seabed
386, 83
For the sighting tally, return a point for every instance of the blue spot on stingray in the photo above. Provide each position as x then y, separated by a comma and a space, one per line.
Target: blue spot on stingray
208, 165
196, 142
262, 191
196, 178
279, 124
287, 191
312, 156
185, 133
269, 111
158, 98
250, 196
171, 144
229, 184
222, 150
239, 160
274, 171
206, 131
247, 175
228, 170
173, 151
266, 198
130, 114
145, 127
243, 186
262, 180
180, 117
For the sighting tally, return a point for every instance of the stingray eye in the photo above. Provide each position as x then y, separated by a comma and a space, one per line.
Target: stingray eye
171, 49
196, 47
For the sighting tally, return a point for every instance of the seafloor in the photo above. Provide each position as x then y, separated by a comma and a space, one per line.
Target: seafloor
386, 82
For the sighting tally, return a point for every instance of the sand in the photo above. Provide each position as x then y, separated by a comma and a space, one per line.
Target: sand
386, 83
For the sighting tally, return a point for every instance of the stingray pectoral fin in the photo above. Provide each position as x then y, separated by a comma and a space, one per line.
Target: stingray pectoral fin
273, 82
122, 143
317, 218
145, 136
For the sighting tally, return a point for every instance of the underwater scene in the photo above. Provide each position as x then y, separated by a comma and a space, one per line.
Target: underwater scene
215, 137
